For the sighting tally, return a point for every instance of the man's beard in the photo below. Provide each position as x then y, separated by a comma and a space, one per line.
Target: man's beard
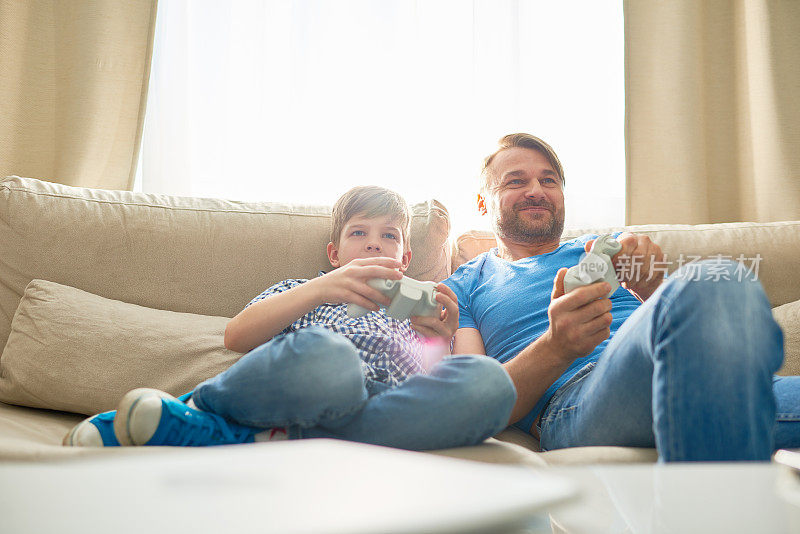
510, 224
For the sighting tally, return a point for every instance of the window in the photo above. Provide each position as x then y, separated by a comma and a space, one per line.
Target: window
299, 100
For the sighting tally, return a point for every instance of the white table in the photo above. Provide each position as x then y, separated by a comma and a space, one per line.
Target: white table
327, 486
680, 498
309, 486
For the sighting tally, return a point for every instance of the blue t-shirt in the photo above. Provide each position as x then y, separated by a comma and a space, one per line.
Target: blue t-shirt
507, 303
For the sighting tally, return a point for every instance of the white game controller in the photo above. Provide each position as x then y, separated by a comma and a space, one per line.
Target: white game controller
409, 297
595, 266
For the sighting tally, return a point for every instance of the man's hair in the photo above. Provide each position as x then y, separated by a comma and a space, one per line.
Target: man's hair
370, 201
521, 140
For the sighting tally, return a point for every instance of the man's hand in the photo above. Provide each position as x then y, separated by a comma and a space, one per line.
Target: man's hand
446, 324
348, 283
634, 264
580, 320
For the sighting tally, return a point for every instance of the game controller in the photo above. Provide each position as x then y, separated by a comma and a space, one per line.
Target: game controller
595, 266
409, 297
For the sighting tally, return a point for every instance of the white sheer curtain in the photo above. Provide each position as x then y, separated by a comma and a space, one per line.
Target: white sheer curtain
300, 100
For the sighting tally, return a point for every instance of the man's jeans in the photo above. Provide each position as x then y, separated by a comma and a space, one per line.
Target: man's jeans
311, 382
690, 372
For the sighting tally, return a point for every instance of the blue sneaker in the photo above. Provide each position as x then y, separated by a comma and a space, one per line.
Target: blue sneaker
153, 417
95, 431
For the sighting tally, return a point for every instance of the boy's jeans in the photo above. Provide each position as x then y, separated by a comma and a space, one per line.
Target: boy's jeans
311, 382
690, 372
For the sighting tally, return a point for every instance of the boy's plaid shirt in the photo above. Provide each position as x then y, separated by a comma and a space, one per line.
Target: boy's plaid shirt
390, 350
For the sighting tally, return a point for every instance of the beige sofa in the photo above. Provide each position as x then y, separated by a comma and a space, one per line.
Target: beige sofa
103, 291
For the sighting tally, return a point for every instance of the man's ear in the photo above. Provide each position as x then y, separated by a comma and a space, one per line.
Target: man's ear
405, 260
481, 204
333, 255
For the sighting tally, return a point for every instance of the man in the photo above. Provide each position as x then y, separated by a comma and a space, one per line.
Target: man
683, 364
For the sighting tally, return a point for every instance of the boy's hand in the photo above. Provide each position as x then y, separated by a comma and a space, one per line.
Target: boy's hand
348, 283
446, 324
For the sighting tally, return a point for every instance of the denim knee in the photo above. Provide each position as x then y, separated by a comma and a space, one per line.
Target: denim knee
300, 378
484, 388
710, 281
319, 364
733, 311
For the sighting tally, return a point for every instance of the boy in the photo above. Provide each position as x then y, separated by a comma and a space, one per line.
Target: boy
312, 371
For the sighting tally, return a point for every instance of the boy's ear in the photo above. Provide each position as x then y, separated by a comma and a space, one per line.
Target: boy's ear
405, 260
481, 204
333, 255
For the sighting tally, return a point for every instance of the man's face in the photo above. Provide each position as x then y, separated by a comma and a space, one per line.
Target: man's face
524, 197
364, 237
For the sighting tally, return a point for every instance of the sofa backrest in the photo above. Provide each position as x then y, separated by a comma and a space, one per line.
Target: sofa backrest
776, 244
197, 255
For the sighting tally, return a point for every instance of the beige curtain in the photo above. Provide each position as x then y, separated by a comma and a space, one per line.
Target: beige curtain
712, 110
73, 82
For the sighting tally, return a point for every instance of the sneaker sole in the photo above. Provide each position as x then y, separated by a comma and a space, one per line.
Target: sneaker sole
68, 440
124, 408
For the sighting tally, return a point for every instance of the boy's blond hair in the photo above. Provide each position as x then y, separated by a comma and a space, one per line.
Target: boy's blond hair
370, 201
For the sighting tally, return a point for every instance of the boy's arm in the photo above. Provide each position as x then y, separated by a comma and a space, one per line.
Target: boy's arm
261, 321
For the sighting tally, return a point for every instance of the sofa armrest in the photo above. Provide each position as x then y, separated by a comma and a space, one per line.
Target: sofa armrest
788, 317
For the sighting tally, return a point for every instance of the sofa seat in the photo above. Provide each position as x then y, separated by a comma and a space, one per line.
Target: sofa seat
34, 435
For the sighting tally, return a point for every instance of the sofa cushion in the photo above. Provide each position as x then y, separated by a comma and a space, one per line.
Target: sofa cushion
788, 316
774, 243
195, 255
599, 455
74, 351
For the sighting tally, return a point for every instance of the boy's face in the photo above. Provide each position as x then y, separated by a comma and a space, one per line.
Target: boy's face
369, 238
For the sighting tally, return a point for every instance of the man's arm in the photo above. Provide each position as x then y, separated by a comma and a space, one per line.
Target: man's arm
532, 370
468, 341
579, 322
